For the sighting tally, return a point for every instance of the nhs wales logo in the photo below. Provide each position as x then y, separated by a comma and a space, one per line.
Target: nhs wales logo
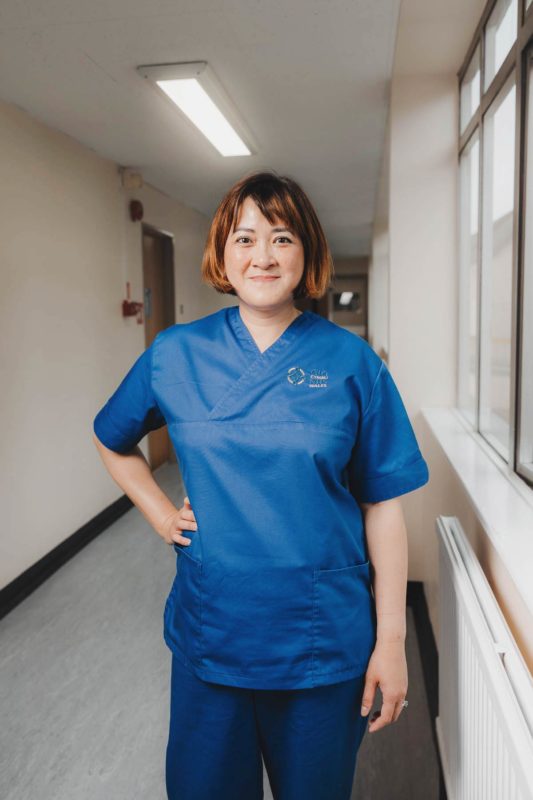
313, 378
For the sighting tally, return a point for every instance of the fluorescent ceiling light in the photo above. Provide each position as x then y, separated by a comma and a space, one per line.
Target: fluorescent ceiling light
345, 298
193, 87
198, 106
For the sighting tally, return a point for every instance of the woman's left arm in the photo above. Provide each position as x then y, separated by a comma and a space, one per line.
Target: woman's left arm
387, 547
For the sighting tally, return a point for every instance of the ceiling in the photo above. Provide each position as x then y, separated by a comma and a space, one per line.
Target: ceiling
434, 36
310, 79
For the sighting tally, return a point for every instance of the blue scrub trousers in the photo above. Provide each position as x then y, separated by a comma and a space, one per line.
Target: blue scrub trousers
309, 739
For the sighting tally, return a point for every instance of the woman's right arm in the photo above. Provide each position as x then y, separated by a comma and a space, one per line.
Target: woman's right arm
132, 473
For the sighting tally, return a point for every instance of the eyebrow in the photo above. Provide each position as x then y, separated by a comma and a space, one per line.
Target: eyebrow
251, 230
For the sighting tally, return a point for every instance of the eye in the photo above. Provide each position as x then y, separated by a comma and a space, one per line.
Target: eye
240, 238
284, 237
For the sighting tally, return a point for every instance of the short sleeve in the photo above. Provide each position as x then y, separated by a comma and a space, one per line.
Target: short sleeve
386, 460
131, 411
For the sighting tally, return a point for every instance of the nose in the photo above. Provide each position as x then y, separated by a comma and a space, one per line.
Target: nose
263, 256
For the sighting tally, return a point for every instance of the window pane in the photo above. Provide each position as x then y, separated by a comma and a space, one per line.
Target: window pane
468, 277
498, 207
470, 89
525, 445
500, 36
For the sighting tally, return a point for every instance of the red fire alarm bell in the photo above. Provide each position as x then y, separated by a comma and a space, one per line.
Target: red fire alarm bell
130, 308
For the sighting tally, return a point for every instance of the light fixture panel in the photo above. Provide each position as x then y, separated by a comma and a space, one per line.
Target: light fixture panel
193, 87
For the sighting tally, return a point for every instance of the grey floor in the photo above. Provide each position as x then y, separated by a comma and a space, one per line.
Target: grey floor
84, 683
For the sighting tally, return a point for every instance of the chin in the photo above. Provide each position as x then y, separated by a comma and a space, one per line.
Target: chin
263, 299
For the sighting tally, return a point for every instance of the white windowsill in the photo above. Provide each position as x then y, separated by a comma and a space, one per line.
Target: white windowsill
501, 500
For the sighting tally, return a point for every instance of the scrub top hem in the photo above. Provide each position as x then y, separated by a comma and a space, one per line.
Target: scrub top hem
280, 682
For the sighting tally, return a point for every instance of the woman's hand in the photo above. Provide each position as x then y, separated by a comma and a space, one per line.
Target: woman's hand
180, 520
388, 668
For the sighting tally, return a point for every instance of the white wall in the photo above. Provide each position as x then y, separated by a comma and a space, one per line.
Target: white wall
378, 273
423, 238
68, 248
423, 247
413, 275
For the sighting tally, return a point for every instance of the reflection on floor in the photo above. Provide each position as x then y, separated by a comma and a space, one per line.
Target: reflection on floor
84, 683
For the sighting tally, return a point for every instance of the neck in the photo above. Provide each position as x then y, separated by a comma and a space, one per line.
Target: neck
268, 318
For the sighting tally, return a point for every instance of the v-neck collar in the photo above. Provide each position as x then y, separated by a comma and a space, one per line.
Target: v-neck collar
247, 340
257, 362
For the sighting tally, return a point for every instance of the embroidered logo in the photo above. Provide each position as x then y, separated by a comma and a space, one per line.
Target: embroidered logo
315, 378
318, 379
296, 375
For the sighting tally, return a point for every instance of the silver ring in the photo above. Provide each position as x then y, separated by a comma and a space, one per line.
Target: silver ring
405, 703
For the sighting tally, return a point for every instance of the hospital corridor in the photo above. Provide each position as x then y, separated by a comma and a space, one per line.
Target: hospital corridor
95, 626
267, 377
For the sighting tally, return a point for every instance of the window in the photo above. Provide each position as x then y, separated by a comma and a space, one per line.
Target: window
469, 277
470, 89
525, 416
497, 270
495, 260
500, 36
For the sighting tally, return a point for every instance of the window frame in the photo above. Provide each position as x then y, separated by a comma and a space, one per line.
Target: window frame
516, 62
485, 299
525, 165
463, 302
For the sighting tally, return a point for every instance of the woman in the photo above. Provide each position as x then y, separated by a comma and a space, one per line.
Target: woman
288, 605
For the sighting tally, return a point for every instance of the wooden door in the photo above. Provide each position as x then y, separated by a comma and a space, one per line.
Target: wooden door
158, 277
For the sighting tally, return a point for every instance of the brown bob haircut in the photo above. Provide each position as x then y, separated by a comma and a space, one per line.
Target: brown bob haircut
279, 198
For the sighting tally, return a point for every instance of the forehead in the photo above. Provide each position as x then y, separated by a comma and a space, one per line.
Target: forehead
249, 212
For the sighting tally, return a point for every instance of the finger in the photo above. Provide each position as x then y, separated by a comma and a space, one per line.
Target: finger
186, 509
398, 709
385, 716
183, 524
186, 524
373, 719
188, 514
369, 692
179, 539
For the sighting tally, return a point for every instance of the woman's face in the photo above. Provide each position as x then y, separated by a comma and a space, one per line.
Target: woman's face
263, 262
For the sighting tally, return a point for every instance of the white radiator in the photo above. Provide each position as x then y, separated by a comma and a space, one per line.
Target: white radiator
485, 722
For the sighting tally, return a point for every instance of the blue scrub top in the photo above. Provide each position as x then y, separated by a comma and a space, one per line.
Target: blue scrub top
276, 450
